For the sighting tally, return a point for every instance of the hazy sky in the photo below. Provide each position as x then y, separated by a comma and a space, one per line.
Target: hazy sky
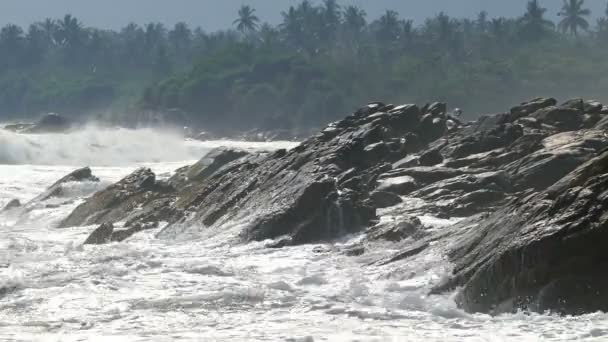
217, 14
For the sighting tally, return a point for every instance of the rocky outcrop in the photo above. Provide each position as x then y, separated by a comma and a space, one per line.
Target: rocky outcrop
528, 187
107, 233
49, 123
542, 251
122, 200
57, 189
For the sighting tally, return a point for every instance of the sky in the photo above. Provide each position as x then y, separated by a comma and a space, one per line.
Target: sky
212, 15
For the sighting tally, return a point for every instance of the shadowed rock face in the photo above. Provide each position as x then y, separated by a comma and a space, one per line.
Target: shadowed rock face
543, 251
531, 186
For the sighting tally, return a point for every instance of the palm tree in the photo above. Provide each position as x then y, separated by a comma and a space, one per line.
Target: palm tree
354, 19
268, 36
498, 29
331, 16
534, 24
482, 21
389, 26
11, 42
292, 26
180, 37
69, 31
573, 14
445, 27
11, 36
154, 36
49, 27
247, 20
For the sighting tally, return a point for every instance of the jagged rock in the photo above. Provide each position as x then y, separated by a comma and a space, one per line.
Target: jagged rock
593, 107
118, 201
577, 104
383, 199
540, 252
395, 231
559, 154
430, 158
12, 204
602, 124
101, 235
425, 175
566, 119
119, 235
206, 166
531, 106
57, 189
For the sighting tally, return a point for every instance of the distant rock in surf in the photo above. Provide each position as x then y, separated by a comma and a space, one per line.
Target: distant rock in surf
12, 204
49, 123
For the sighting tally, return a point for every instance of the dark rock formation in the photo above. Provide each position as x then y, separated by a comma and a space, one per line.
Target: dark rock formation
543, 251
383, 199
57, 190
49, 123
530, 187
106, 233
121, 200
101, 235
12, 204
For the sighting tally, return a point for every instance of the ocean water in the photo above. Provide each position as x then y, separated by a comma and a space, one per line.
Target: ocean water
201, 287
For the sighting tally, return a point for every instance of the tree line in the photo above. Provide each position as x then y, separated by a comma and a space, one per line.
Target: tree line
321, 61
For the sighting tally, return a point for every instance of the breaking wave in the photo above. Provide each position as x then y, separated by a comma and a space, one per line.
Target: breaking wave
97, 147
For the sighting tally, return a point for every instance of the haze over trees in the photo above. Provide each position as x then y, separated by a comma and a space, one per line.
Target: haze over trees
319, 63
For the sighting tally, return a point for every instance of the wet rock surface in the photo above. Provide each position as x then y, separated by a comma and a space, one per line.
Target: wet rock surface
529, 188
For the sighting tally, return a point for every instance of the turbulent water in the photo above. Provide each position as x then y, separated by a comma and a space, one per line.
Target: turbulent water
199, 287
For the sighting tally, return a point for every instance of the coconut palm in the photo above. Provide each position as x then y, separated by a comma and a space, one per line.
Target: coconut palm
482, 21
247, 21
180, 37
574, 15
292, 26
49, 27
11, 36
498, 29
534, 24
331, 16
69, 31
388, 26
354, 19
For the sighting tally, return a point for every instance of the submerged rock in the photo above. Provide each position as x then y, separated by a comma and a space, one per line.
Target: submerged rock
12, 204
